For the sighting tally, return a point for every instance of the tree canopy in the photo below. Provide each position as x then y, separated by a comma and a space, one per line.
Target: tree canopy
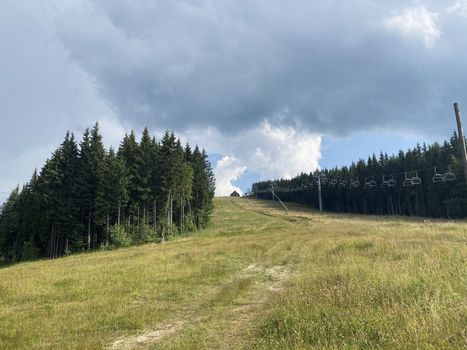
86, 196
425, 181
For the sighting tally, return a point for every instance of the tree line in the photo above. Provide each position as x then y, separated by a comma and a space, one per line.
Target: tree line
86, 197
426, 181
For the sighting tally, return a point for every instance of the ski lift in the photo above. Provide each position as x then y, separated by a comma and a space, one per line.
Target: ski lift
370, 183
384, 183
388, 182
407, 181
416, 180
438, 178
449, 175
343, 183
355, 183
322, 178
333, 182
392, 182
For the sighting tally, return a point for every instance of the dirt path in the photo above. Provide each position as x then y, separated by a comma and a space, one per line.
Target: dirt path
266, 282
223, 317
149, 337
272, 282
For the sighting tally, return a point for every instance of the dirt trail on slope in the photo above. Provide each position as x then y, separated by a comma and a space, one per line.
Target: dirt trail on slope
149, 337
267, 281
274, 278
231, 319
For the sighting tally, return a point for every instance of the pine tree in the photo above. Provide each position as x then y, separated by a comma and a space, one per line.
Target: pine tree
81, 192
129, 153
112, 195
9, 226
203, 188
146, 166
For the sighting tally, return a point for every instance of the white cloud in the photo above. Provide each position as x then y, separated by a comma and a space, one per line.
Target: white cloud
416, 22
457, 7
281, 151
227, 171
267, 150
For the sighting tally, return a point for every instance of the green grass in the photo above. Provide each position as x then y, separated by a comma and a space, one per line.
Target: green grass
257, 279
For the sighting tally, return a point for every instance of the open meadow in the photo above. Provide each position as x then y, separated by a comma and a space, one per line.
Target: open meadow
256, 279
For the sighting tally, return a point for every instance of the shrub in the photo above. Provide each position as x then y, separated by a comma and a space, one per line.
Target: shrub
119, 237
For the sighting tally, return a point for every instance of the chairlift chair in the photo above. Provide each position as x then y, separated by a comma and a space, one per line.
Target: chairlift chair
388, 182
416, 180
343, 183
449, 175
438, 178
407, 181
384, 183
392, 182
333, 182
355, 183
370, 183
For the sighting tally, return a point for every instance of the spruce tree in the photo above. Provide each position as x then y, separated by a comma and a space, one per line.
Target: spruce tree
82, 191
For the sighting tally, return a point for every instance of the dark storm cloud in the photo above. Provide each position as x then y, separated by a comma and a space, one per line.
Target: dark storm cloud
207, 68
328, 66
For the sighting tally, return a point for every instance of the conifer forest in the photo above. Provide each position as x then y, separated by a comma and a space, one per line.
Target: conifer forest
86, 197
426, 181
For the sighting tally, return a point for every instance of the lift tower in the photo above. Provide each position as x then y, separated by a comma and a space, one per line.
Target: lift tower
461, 137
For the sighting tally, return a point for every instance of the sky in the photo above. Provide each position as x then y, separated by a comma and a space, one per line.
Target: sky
269, 88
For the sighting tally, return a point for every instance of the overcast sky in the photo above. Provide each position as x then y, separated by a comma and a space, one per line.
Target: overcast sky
269, 88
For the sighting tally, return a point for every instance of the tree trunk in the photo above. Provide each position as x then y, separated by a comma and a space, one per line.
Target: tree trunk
118, 216
51, 241
137, 218
171, 211
166, 216
181, 215
94, 238
107, 230
89, 230
154, 218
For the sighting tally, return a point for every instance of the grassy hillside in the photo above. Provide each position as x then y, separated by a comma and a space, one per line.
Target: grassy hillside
258, 279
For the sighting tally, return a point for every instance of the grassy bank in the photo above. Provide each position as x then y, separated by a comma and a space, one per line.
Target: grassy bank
256, 279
